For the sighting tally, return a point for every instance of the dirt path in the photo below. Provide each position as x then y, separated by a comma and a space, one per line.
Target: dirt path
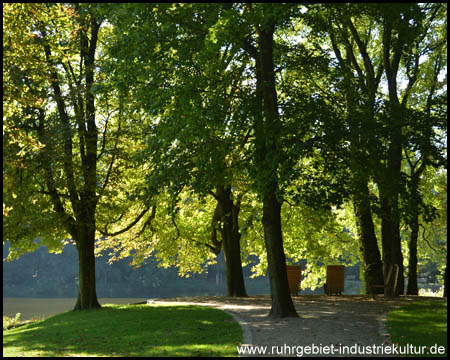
336, 321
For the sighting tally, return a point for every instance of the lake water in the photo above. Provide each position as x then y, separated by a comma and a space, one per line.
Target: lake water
32, 307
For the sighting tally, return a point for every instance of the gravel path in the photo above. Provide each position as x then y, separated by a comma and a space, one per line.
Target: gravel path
324, 321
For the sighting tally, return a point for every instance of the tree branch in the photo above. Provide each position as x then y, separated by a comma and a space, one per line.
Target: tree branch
78, 106
148, 222
106, 233
50, 182
424, 238
108, 174
67, 133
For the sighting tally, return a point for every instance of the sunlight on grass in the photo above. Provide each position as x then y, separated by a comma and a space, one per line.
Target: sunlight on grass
133, 330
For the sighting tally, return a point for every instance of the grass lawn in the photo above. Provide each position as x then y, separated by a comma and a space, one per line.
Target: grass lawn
128, 330
422, 323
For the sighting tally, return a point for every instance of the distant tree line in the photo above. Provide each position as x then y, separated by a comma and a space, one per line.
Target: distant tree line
46, 275
42, 274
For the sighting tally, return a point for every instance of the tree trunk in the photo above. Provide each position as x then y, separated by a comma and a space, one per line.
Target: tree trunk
372, 268
391, 243
398, 259
413, 288
83, 201
231, 242
267, 155
389, 186
445, 281
282, 305
87, 295
391, 180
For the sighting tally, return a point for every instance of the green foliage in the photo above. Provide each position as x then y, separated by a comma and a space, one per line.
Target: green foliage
60, 158
317, 236
433, 235
26, 85
176, 112
174, 239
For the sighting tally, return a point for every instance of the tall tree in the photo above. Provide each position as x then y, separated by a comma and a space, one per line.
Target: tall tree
193, 141
189, 70
267, 154
424, 145
377, 118
405, 45
64, 187
357, 72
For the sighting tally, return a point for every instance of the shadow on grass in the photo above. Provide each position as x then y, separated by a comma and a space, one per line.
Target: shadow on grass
423, 323
131, 330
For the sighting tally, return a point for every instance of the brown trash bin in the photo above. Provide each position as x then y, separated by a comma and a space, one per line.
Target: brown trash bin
294, 275
335, 280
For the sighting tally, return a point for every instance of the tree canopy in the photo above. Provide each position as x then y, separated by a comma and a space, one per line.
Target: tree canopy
176, 131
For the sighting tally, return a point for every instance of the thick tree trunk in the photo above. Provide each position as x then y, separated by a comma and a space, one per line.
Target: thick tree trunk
85, 237
389, 186
373, 267
83, 200
391, 180
267, 156
231, 242
391, 243
413, 288
282, 305
87, 295
266, 165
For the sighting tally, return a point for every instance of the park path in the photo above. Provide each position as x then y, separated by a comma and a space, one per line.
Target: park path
336, 321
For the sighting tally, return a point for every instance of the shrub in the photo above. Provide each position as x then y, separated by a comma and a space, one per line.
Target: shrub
9, 322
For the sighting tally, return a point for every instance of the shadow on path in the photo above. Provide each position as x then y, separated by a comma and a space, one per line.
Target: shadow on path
340, 321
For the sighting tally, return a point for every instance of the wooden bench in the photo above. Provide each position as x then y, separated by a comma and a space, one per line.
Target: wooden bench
335, 280
386, 282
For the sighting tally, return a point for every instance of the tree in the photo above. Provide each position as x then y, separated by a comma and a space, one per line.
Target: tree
189, 69
405, 43
202, 152
424, 146
267, 153
63, 186
161, 119
376, 119
432, 234
226, 218
357, 74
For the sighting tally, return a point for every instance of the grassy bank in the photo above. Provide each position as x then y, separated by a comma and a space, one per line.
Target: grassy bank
30, 308
128, 330
422, 323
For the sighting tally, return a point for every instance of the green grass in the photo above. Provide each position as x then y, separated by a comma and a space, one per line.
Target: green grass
128, 330
422, 323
